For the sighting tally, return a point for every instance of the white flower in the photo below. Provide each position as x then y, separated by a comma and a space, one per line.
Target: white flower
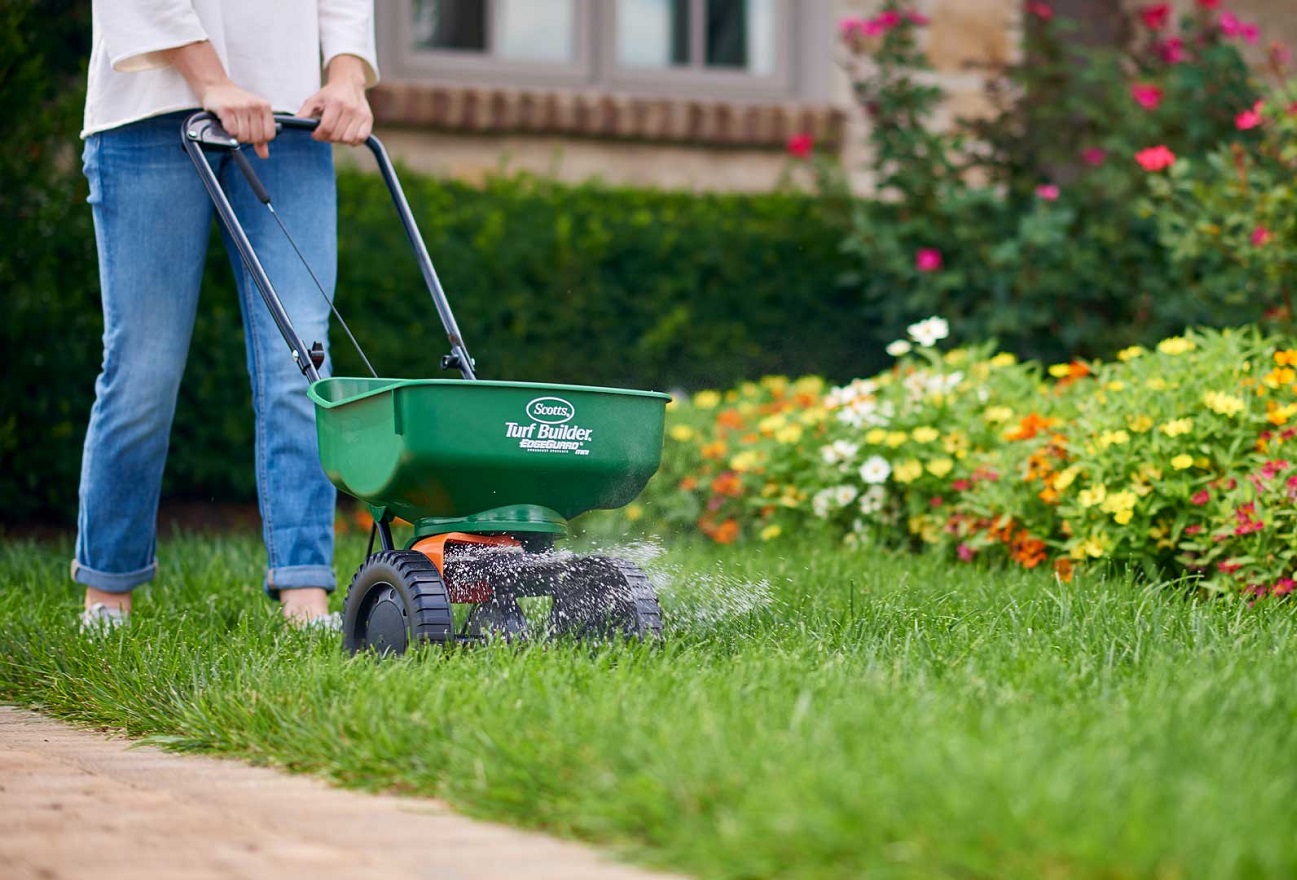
845, 494
898, 348
871, 500
839, 451
822, 503
929, 331
876, 470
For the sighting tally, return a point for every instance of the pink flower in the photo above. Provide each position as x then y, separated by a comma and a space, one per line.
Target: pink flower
850, 27
1093, 155
1146, 95
964, 485
1155, 17
800, 145
1201, 497
1047, 191
1171, 50
918, 19
1280, 54
1193, 529
1261, 236
936, 501
1274, 467
1250, 33
1250, 118
1228, 566
889, 19
1230, 25
1157, 158
873, 28
1208, 4
1041, 10
928, 260
965, 552
1283, 587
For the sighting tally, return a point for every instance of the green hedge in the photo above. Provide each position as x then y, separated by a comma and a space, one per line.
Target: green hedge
587, 284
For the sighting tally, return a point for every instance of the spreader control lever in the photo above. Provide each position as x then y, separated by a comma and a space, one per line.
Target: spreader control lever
455, 362
317, 355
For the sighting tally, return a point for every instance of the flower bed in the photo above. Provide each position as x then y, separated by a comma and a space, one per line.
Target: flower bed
1171, 459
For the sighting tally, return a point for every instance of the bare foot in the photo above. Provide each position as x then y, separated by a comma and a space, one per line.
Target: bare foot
305, 604
118, 601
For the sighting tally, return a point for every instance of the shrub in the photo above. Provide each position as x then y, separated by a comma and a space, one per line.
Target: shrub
1172, 459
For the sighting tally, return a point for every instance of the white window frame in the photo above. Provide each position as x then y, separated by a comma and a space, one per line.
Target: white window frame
801, 73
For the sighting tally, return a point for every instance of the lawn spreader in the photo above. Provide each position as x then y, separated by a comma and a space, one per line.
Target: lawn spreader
487, 472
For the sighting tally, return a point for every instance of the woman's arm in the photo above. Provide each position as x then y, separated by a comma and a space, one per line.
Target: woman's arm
342, 107
246, 116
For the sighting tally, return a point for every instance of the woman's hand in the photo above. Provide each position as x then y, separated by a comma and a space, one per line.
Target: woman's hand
341, 106
246, 116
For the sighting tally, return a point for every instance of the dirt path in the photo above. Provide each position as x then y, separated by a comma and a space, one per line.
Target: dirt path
74, 804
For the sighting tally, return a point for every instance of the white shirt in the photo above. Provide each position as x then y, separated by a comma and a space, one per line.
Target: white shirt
273, 48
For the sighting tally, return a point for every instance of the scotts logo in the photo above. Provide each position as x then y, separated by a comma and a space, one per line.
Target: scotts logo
550, 410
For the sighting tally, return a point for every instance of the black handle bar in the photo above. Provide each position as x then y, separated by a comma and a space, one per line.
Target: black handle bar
202, 129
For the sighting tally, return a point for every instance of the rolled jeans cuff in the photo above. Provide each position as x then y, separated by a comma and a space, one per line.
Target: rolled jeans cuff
113, 582
298, 577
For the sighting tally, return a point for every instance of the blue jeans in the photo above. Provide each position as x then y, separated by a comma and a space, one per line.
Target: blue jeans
152, 222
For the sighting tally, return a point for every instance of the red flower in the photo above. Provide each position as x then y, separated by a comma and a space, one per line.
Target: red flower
1208, 4
1093, 155
1041, 10
918, 19
1155, 17
1283, 587
1171, 50
800, 145
1250, 118
928, 260
1193, 529
1047, 191
1146, 95
1157, 158
1261, 236
1228, 566
889, 19
964, 485
1201, 497
1250, 33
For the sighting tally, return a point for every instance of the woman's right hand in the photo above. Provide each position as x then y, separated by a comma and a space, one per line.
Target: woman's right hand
245, 115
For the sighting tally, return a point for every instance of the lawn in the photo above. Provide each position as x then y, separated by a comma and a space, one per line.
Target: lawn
812, 713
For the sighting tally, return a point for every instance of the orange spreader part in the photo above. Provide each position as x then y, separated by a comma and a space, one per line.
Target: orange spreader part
435, 549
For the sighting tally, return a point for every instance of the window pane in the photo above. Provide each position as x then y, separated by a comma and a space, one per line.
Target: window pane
741, 34
535, 30
450, 24
652, 33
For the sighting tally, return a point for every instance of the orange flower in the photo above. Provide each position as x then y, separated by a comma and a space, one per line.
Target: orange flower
729, 484
1049, 495
1063, 569
730, 418
714, 451
726, 533
1031, 425
1027, 551
689, 483
805, 399
1286, 358
1075, 371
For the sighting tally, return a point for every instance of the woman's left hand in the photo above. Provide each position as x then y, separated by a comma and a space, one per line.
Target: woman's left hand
341, 106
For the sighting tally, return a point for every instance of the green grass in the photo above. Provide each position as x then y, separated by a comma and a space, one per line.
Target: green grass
876, 717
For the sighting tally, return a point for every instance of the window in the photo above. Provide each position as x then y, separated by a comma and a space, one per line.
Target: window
747, 49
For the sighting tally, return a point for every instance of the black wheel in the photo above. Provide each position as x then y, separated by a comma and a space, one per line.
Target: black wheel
598, 597
397, 599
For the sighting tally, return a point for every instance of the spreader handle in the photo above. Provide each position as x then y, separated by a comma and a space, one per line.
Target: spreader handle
202, 129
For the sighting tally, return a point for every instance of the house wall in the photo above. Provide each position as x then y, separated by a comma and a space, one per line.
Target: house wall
966, 37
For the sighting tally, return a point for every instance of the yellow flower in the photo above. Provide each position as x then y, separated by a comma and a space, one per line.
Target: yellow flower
1202, 461
770, 424
749, 389
956, 442
777, 384
1094, 547
1122, 517
769, 533
1119, 502
1060, 371
1065, 478
1113, 438
956, 357
683, 433
634, 512
1129, 354
813, 416
1280, 415
707, 399
745, 460
789, 435
809, 385
1182, 462
925, 434
895, 438
731, 396
1176, 427
1157, 383
997, 414
1175, 345
1116, 385
1093, 496
907, 471
1140, 424
1004, 359
1225, 404
939, 467
769, 490
875, 436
